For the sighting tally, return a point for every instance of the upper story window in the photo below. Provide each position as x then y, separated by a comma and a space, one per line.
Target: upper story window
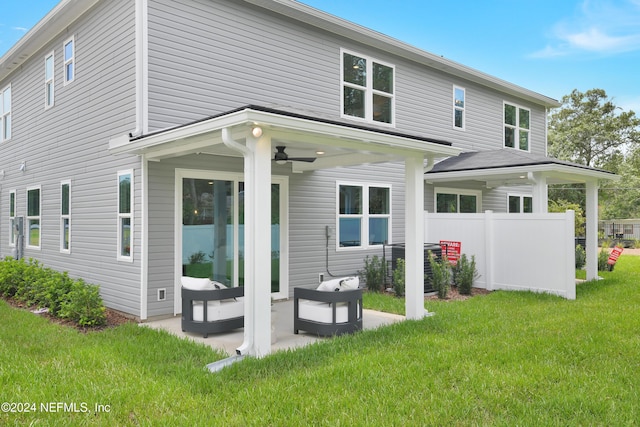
458, 107
364, 215
48, 81
65, 216
452, 200
33, 217
368, 89
69, 61
516, 127
125, 215
5, 113
520, 203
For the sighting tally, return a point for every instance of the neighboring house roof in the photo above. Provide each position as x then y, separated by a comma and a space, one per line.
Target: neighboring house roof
511, 166
67, 11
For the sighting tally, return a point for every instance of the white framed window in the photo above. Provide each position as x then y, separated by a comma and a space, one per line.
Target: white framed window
364, 215
69, 51
33, 226
49, 87
456, 200
125, 215
12, 218
459, 119
65, 217
5, 113
368, 88
517, 123
520, 203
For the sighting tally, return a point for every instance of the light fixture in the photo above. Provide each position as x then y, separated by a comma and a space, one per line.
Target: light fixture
522, 177
319, 153
23, 166
256, 131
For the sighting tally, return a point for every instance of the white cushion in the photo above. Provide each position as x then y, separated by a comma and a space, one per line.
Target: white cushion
349, 283
340, 284
322, 312
197, 284
218, 285
219, 310
201, 284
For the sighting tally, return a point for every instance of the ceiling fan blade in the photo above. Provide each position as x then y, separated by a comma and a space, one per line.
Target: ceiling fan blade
303, 159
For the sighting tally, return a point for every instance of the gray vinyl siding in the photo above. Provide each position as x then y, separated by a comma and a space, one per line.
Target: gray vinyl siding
208, 57
69, 141
312, 206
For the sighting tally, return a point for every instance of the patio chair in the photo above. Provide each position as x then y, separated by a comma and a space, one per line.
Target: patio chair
210, 307
334, 308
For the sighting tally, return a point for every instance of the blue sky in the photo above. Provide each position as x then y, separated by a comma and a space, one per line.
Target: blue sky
548, 46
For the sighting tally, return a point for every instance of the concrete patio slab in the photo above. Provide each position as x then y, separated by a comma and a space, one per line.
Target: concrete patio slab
283, 320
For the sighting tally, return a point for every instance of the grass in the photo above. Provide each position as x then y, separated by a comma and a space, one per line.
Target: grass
507, 358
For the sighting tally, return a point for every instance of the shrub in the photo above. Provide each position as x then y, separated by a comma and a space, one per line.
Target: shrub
440, 275
398, 278
581, 256
83, 305
464, 273
374, 273
32, 284
603, 257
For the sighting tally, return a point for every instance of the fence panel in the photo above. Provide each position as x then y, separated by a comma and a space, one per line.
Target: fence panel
514, 251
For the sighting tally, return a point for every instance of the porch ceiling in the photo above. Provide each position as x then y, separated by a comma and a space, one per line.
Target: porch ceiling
512, 167
341, 143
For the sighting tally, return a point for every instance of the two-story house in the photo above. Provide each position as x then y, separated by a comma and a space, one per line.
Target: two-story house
257, 142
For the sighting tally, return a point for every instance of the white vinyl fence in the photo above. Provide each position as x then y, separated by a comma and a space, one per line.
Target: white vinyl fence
532, 252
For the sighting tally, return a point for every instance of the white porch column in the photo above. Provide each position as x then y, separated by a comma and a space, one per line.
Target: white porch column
414, 237
591, 229
540, 193
257, 256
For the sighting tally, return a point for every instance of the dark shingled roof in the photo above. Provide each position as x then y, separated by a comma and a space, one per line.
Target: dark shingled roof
498, 159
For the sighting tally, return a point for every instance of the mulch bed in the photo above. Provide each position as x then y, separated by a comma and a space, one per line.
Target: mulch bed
454, 295
114, 318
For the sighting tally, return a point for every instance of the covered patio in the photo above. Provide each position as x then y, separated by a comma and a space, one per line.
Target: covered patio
253, 133
510, 167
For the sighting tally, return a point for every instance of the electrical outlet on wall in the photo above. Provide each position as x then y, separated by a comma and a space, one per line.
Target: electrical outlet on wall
320, 277
162, 294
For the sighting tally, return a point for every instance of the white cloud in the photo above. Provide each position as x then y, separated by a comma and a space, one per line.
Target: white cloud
24, 30
595, 40
601, 27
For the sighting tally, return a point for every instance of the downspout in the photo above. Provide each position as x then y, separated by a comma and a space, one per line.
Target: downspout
144, 252
249, 327
142, 127
142, 67
429, 165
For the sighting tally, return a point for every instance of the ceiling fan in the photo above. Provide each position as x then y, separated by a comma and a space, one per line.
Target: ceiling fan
281, 157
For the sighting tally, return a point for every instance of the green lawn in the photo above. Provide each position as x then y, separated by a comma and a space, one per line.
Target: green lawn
503, 359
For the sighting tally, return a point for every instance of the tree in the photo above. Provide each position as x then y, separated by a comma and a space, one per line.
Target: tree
590, 129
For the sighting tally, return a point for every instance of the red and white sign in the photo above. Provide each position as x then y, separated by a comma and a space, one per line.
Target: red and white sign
614, 255
452, 250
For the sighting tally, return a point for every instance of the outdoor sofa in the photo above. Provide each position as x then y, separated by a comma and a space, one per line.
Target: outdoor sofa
334, 308
210, 307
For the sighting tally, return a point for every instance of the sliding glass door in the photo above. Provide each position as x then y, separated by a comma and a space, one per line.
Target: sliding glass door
211, 228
